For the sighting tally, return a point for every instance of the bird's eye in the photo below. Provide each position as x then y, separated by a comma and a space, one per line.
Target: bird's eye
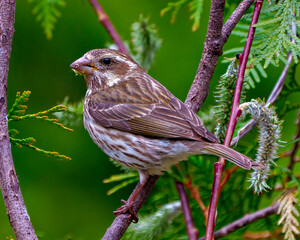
107, 61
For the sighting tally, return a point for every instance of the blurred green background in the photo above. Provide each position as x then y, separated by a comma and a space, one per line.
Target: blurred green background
67, 198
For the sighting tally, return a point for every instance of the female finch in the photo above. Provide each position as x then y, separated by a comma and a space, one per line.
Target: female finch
137, 122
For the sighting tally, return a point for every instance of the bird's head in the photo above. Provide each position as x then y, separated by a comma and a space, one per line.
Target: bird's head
105, 67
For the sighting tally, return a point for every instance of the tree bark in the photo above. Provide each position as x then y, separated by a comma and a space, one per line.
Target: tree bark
10, 188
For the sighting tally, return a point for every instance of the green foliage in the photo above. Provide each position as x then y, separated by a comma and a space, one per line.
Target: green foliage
17, 113
125, 178
145, 42
154, 226
269, 135
47, 12
274, 36
195, 6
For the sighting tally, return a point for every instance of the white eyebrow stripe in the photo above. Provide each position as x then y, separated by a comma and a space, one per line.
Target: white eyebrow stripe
128, 62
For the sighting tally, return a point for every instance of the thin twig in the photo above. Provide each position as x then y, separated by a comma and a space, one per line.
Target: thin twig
228, 173
235, 113
235, 18
185, 206
296, 146
195, 194
246, 220
103, 18
262, 235
10, 188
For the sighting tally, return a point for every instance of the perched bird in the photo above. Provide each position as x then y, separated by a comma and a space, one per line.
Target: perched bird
136, 121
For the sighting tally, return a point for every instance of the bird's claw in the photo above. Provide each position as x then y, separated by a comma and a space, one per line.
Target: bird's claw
127, 208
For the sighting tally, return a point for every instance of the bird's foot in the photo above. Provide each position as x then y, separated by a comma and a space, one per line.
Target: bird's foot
127, 208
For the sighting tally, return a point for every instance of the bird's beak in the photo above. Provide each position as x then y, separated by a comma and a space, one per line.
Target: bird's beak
83, 66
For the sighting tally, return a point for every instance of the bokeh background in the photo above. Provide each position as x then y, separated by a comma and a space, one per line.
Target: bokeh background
68, 198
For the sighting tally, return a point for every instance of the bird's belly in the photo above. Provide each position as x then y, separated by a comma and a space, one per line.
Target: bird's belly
136, 151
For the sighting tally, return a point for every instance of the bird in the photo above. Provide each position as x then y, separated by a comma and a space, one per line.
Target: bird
139, 123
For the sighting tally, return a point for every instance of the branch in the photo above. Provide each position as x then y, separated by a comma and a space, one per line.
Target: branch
195, 194
14, 203
235, 18
122, 221
105, 21
228, 173
211, 52
235, 113
246, 220
185, 206
217, 35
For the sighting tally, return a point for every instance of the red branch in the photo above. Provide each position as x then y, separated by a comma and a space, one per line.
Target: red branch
227, 175
195, 194
296, 146
244, 221
103, 18
185, 206
235, 113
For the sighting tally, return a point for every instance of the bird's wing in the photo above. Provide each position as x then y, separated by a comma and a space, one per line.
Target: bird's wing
144, 106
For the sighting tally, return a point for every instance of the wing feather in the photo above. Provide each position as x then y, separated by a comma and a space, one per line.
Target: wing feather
144, 106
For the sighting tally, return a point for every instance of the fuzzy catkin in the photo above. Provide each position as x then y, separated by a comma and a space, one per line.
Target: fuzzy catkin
269, 135
224, 97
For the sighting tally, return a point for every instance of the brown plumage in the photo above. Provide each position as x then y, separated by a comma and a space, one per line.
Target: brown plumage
136, 121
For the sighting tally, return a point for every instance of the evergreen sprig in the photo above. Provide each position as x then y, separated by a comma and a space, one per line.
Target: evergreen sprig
269, 140
274, 36
17, 113
145, 42
195, 6
47, 12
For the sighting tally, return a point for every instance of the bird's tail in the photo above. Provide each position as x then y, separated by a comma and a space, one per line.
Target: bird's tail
229, 154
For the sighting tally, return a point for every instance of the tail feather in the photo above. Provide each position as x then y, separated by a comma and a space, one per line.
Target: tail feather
230, 155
